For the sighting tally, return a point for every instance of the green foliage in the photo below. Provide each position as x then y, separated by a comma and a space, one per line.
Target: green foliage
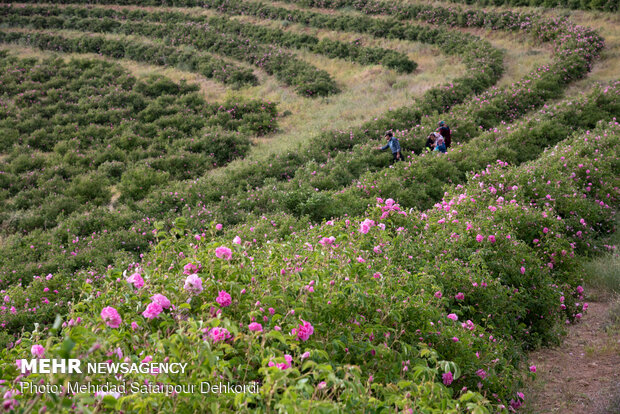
264, 35
382, 299
307, 80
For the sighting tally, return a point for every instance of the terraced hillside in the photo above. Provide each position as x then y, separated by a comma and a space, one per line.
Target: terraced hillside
198, 181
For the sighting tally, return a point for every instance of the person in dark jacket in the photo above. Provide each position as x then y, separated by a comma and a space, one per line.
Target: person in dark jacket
393, 145
444, 130
430, 141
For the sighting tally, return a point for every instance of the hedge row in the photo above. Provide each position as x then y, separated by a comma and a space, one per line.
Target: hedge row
307, 79
349, 182
602, 5
155, 54
455, 16
331, 48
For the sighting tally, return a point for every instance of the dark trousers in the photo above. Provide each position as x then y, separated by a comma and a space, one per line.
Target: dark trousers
394, 159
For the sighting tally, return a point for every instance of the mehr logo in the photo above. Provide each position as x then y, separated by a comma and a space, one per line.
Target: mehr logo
73, 366
50, 366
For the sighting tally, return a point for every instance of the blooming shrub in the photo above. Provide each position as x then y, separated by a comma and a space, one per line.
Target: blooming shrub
426, 301
363, 334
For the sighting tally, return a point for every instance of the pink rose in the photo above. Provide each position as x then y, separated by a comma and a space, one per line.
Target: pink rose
152, 310
193, 284
37, 351
255, 327
304, 331
223, 299
161, 300
219, 334
223, 252
136, 280
111, 317
189, 269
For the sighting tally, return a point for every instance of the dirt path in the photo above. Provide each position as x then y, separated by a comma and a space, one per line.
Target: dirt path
583, 375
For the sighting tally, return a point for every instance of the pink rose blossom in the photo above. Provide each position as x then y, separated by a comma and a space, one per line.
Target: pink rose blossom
193, 284
189, 269
219, 334
37, 351
453, 317
460, 296
447, 378
304, 331
161, 300
255, 327
533, 368
111, 317
325, 241
223, 299
237, 240
223, 252
136, 280
152, 310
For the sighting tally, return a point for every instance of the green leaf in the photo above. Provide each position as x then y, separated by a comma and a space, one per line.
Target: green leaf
276, 335
66, 347
57, 323
109, 401
180, 223
308, 364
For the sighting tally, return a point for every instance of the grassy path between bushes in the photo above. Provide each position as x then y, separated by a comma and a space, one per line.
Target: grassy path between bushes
582, 375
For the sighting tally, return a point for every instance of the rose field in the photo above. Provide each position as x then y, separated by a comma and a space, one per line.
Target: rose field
197, 183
